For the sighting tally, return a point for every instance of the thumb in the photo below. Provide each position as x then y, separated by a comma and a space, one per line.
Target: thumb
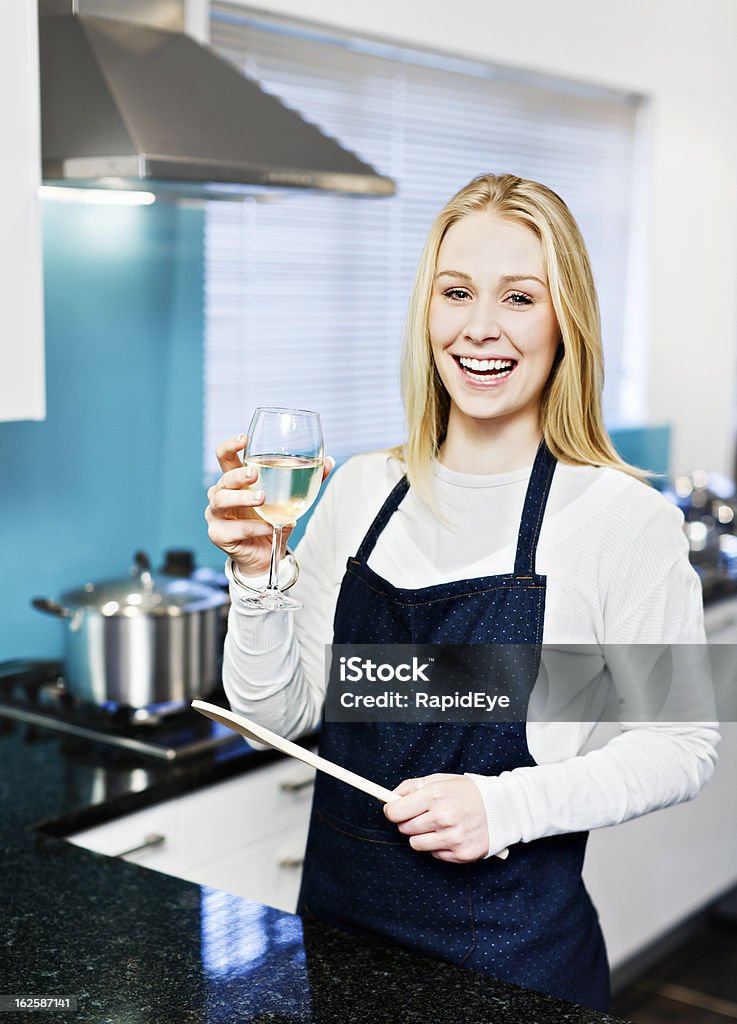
408, 786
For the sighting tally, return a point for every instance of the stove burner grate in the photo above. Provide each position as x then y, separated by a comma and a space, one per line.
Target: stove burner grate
35, 692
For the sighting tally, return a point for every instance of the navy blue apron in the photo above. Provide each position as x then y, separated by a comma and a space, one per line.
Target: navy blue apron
527, 919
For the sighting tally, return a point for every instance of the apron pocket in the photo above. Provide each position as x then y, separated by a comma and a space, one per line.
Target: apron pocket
388, 835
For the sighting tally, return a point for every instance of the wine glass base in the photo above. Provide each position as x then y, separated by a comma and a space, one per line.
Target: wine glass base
272, 601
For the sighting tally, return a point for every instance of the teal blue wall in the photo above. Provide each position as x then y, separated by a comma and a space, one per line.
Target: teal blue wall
117, 464
646, 447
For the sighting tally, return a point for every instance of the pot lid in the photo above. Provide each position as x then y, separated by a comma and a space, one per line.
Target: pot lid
144, 593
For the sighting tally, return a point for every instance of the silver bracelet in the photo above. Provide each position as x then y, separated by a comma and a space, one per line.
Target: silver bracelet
255, 590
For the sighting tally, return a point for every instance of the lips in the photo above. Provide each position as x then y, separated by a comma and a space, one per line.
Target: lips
484, 379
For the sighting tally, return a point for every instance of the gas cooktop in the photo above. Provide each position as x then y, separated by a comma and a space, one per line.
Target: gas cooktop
35, 692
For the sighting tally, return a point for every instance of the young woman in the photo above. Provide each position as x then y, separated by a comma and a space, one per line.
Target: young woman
507, 518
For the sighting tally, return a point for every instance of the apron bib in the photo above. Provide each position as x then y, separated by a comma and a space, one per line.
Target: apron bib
527, 919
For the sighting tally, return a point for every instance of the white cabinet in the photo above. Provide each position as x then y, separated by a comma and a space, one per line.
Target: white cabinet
647, 875
21, 290
246, 835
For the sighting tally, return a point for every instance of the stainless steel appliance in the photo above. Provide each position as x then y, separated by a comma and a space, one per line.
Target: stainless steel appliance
147, 641
128, 103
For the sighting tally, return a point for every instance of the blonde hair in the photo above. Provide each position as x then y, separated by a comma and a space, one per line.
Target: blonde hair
571, 418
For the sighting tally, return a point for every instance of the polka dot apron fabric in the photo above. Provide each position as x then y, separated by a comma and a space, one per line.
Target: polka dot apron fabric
527, 919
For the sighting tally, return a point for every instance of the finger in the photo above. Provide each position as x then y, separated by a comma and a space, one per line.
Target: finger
418, 826
428, 842
407, 786
227, 452
406, 807
227, 500
327, 467
237, 479
233, 531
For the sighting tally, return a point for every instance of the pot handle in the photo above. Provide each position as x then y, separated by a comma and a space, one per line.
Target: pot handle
44, 604
142, 569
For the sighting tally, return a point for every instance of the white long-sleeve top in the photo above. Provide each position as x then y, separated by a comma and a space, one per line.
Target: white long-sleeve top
618, 575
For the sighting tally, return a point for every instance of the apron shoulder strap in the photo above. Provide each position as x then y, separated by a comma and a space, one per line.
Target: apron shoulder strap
383, 516
536, 499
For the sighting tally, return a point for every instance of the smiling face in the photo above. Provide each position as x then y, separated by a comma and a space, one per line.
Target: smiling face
492, 325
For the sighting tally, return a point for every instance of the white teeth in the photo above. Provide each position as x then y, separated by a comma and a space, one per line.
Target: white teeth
485, 364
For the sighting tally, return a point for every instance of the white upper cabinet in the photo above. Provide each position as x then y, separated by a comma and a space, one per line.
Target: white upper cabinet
22, 393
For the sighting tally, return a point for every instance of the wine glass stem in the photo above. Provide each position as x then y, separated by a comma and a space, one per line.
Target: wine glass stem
275, 556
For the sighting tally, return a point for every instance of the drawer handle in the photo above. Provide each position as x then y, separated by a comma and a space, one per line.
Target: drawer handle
154, 839
296, 787
291, 862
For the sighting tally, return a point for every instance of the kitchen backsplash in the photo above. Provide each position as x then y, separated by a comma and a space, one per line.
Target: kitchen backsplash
117, 464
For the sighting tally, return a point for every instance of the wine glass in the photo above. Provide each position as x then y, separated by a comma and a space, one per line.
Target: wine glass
285, 447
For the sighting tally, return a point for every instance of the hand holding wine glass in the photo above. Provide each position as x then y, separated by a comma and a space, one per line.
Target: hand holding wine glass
240, 516
285, 448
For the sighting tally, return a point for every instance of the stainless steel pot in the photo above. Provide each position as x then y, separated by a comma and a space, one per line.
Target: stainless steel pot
144, 641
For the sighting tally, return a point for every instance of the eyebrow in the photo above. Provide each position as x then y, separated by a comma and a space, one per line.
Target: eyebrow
504, 279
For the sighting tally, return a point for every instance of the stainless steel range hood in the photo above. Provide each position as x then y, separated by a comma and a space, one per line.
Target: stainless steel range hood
125, 104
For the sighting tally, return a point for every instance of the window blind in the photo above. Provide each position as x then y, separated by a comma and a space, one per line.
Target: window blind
306, 293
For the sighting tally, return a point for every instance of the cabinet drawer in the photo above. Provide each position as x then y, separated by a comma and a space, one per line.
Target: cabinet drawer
269, 871
209, 823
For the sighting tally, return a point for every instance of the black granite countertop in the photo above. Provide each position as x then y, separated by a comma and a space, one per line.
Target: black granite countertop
139, 947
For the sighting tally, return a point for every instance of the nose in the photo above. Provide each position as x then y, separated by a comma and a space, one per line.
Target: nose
482, 324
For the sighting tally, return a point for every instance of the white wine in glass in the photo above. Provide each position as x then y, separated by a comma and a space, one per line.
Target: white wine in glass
285, 447
290, 483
